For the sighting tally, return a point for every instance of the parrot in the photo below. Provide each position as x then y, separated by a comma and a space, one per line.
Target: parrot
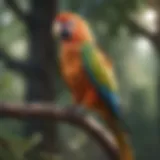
89, 75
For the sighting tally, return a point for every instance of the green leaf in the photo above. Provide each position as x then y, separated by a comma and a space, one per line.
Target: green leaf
18, 146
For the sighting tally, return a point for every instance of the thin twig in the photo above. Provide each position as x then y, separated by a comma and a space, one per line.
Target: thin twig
51, 113
21, 66
136, 28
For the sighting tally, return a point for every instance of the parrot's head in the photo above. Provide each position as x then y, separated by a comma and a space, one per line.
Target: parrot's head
70, 27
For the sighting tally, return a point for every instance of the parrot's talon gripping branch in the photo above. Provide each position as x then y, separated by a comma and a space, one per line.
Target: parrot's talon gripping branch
74, 109
46, 112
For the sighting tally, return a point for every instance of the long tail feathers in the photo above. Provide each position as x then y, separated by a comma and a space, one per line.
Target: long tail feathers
123, 123
121, 137
124, 126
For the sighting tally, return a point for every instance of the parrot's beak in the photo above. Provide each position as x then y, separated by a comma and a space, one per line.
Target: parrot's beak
61, 31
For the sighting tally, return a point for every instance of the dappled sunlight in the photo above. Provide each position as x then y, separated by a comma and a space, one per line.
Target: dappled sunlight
6, 18
148, 18
30, 72
19, 49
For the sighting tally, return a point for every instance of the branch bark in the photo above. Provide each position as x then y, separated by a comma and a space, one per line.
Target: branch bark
39, 111
19, 13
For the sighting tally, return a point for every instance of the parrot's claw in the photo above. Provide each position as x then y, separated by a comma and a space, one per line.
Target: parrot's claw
74, 110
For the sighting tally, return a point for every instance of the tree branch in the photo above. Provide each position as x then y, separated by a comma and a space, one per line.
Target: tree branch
23, 111
19, 13
20, 66
135, 28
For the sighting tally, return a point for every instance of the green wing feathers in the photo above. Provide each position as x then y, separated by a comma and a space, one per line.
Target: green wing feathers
101, 74
99, 65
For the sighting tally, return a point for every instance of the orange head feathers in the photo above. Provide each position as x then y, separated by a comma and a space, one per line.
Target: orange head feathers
70, 27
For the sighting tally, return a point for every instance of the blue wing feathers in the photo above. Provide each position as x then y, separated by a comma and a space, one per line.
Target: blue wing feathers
110, 99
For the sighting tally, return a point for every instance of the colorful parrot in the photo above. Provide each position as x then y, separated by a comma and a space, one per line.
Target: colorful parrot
89, 75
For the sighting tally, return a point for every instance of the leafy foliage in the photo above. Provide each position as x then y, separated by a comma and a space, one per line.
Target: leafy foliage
112, 13
137, 83
15, 147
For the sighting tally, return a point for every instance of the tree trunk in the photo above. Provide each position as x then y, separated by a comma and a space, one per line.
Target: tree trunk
40, 86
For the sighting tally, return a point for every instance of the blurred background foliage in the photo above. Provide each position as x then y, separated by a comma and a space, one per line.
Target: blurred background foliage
136, 64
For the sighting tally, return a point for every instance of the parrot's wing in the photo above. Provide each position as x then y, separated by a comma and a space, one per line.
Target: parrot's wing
101, 75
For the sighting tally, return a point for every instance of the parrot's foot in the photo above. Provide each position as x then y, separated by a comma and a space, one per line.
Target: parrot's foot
74, 110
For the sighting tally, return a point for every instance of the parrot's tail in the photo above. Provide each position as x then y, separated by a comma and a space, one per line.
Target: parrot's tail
121, 137
125, 148
122, 122
124, 126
